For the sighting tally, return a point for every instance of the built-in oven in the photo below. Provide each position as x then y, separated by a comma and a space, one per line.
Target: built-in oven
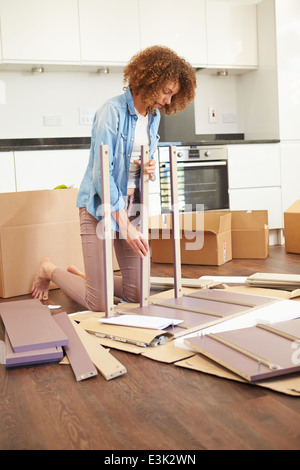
202, 178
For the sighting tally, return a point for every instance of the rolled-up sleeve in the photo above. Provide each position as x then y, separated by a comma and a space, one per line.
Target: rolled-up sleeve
105, 132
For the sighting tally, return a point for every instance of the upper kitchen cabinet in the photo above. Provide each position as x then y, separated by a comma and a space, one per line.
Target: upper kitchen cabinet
109, 31
43, 31
176, 24
231, 34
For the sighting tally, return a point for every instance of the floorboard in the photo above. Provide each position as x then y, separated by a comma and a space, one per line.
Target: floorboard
154, 405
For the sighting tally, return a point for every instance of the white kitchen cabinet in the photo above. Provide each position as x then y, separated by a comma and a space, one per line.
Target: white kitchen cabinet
40, 31
253, 165
46, 169
290, 171
288, 67
176, 24
109, 30
254, 179
231, 34
259, 199
7, 172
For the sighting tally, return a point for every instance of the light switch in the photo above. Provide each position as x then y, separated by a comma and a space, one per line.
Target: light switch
212, 114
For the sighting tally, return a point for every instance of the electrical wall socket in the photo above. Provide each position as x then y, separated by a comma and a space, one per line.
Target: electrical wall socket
52, 120
229, 117
86, 116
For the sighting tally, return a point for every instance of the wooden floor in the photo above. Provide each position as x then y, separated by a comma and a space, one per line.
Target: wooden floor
154, 406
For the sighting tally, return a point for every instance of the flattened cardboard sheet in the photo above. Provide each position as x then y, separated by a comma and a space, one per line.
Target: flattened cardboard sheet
30, 325
167, 353
253, 353
138, 336
39, 356
80, 361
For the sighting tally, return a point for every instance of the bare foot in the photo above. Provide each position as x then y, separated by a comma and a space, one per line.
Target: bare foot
72, 269
40, 286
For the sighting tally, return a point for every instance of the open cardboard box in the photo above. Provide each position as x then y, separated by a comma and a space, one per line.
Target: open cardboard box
249, 234
33, 225
205, 238
292, 228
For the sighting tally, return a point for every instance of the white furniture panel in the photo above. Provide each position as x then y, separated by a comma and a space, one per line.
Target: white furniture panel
253, 165
176, 24
231, 34
47, 169
7, 172
290, 171
40, 30
109, 30
259, 199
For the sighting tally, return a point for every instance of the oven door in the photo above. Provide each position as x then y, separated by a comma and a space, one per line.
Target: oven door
201, 185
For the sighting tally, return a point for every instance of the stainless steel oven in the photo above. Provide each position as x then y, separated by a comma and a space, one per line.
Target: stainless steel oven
202, 178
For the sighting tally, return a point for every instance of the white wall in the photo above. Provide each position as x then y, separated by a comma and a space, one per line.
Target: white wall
29, 97
223, 93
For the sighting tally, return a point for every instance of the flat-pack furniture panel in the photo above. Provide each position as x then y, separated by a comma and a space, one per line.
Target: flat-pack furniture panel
38, 356
30, 326
80, 361
253, 353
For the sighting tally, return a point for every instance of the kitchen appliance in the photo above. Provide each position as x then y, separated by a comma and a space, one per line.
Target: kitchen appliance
202, 178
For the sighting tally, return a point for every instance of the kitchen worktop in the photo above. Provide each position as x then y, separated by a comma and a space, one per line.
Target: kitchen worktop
67, 143
206, 143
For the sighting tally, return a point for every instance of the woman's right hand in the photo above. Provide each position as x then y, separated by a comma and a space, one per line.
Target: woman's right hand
131, 234
135, 239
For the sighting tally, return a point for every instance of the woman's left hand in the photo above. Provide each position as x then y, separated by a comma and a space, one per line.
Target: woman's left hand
149, 168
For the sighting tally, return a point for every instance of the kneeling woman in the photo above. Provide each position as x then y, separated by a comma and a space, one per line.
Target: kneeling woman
157, 80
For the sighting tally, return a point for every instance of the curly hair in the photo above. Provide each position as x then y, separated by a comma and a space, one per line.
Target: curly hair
149, 71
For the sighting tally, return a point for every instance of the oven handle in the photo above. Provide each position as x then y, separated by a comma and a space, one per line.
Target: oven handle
207, 163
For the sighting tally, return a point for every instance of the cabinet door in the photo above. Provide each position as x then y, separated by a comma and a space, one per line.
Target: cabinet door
290, 171
40, 31
7, 172
47, 169
109, 30
288, 45
252, 166
176, 24
231, 34
259, 199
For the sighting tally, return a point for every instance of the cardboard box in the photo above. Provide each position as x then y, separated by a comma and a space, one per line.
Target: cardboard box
250, 234
211, 246
292, 228
35, 224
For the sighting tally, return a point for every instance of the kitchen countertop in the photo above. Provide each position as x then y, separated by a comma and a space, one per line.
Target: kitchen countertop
68, 143
205, 143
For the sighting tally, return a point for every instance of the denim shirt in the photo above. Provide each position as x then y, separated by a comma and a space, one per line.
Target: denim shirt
114, 125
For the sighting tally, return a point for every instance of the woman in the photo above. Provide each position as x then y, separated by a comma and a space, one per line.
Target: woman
158, 80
